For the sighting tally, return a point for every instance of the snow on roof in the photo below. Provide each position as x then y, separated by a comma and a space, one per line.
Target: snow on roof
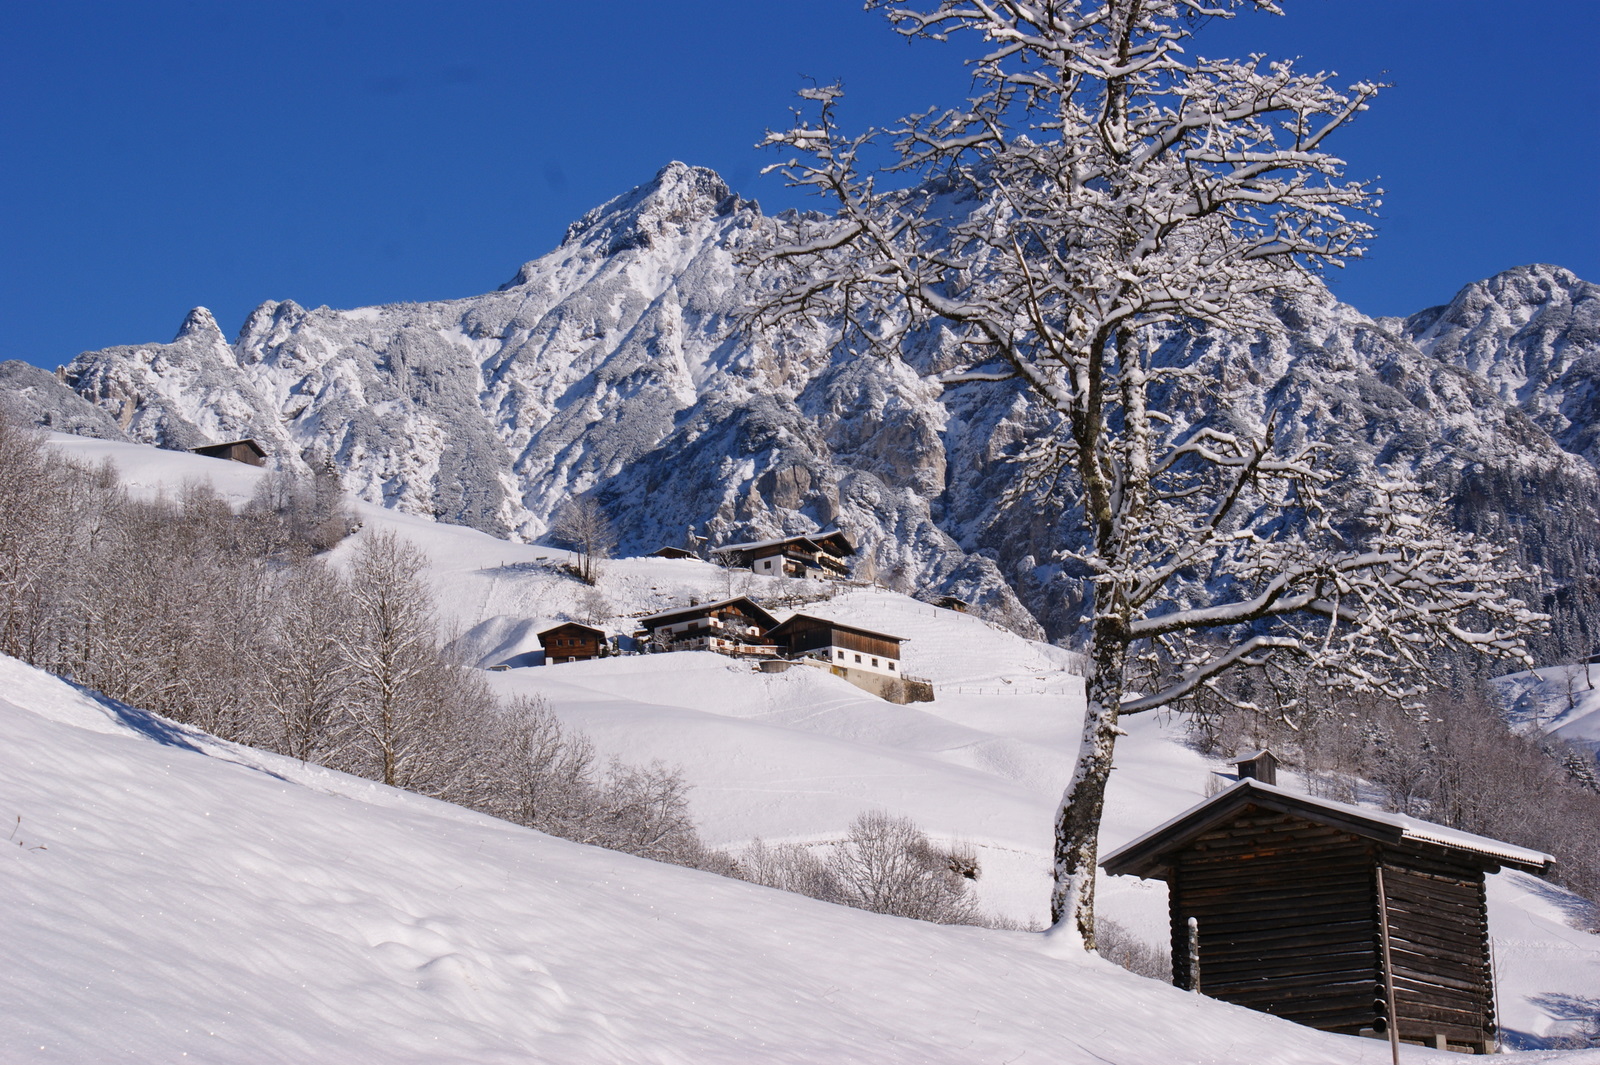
847, 626
699, 608
811, 538
1249, 756
1410, 829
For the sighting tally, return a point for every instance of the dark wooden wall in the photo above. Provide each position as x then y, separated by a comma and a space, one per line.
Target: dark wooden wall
569, 642
1439, 948
1287, 922
807, 634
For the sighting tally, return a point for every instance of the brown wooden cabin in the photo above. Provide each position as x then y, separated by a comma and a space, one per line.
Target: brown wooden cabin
950, 602
736, 626
1284, 889
1257, 765
842, 645
673, 552
820, 554
572, 642
246, 451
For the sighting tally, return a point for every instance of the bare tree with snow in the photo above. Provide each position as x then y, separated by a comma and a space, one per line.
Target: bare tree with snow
1103, 190
583, 525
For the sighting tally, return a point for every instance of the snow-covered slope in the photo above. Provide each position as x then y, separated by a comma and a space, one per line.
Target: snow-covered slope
171, 897
793, 757
613, 364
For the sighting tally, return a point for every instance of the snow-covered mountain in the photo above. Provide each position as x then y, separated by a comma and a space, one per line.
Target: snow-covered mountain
612, 365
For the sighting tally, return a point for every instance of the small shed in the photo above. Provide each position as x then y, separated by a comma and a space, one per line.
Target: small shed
572, 642
673, 552
246, 451
1259, 765
1310, 909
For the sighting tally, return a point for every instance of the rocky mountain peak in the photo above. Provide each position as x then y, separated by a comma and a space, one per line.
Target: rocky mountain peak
201, 325
668, 207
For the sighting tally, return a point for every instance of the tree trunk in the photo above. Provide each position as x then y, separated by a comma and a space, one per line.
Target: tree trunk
1078, 820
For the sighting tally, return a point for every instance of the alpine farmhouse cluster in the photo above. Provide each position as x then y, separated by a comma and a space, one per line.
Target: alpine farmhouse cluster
739, 627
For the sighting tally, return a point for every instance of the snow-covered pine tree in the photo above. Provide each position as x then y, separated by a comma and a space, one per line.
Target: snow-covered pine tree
1101, 190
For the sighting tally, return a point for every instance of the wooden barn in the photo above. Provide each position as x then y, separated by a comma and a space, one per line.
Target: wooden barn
1330, 915
840, 644
246, 451
820, 554
734, 626
572, 642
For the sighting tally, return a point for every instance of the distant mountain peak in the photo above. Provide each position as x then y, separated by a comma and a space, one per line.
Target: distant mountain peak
667, 207
200, 324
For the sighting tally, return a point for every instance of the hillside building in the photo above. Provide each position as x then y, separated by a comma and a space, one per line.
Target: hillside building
734, 626
246, 451
869, 660
572, 642
1330, 915
818, 555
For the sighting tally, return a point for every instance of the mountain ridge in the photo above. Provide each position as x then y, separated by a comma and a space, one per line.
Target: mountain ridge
613, 365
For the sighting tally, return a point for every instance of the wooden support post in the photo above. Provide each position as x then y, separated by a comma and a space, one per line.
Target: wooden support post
1194, 955
1393, 1023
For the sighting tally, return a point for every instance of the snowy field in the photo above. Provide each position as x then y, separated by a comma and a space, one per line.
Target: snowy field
385, 920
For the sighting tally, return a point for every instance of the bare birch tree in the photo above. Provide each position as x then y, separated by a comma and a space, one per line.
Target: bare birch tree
391, 649
1101, 190
583, 525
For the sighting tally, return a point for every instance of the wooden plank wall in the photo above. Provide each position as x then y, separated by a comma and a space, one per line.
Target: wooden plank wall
1439, 942
1287, 919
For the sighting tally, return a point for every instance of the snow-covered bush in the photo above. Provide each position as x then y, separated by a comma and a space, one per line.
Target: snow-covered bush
885, 864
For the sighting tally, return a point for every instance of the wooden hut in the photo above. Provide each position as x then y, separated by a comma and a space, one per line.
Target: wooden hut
572, 642
1324, 913
1259, 765
246, 451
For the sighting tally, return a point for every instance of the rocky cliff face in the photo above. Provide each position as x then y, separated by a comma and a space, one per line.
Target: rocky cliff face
612, 366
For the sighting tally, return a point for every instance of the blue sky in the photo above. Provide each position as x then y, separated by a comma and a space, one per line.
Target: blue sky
164, 155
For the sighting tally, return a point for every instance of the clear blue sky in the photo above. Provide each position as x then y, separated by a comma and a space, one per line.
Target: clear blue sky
162, 155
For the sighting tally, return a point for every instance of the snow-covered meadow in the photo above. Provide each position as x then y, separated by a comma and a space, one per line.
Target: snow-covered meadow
195, 897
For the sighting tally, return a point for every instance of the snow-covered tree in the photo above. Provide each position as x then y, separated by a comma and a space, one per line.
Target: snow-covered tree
1102, 191
583, 525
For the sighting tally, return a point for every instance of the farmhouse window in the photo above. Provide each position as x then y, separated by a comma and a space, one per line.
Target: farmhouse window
858, 658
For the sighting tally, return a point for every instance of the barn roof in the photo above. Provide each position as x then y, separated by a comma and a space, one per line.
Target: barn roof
826, 538
1147, 855
743, 601
257, 448
571, 625
846, 626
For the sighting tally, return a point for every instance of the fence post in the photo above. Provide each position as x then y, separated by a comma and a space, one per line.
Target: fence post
1194, 955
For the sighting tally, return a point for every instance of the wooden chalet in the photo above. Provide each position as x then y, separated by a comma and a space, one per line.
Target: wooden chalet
573, 642
820, 554
246, 451
1326, 914
673, 552
734, 626
839, 644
